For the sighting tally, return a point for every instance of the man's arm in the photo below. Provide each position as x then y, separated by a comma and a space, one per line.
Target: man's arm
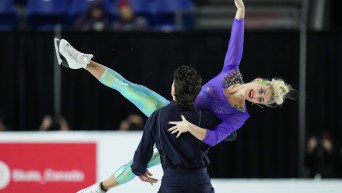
144, 151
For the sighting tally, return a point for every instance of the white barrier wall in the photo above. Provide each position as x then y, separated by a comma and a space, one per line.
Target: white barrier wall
81, 158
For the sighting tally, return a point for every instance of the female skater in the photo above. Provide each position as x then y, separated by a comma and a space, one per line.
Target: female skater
224, 96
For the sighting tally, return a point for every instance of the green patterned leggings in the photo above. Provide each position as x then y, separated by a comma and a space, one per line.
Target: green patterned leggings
146, 100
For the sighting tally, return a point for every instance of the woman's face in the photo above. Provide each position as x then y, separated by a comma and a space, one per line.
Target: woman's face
258, 93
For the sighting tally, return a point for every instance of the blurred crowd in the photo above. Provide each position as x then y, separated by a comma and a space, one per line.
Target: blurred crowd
133, 122
323, 156
50, 123
97, 18
96, 15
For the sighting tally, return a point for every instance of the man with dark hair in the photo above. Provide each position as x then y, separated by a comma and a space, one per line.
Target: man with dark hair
186, 85
184, 159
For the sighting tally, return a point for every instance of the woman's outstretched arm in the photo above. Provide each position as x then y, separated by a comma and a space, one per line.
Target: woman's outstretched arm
235, 47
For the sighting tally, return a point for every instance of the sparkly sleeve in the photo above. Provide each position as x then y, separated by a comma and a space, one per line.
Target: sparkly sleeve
219, 133
235, 47
224, 129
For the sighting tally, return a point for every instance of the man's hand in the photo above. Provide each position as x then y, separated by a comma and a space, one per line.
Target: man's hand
146, 178
180, 126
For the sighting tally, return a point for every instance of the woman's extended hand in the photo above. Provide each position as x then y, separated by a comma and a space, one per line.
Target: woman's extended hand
240, 13
239, 4
180, 126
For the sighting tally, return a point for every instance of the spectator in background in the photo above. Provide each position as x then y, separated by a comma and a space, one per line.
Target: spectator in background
133, 122
95, 18
50, 124
320, 156
127, 20
3, 127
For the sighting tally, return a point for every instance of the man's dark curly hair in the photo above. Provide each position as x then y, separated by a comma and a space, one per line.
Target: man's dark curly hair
187, 84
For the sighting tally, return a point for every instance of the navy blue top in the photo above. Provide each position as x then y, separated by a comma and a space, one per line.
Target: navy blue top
185, 152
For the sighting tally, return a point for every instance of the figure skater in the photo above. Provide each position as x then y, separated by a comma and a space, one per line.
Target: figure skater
184, 160
225, 95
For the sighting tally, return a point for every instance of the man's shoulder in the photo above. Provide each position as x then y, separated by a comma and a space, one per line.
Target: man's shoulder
166, 107
161, 109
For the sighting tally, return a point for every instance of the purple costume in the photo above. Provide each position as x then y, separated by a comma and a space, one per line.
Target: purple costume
211, 97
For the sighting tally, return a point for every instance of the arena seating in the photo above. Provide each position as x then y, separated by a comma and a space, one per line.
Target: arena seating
46, 14
8, 15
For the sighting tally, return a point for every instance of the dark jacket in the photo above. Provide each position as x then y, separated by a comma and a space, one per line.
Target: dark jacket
185, 152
